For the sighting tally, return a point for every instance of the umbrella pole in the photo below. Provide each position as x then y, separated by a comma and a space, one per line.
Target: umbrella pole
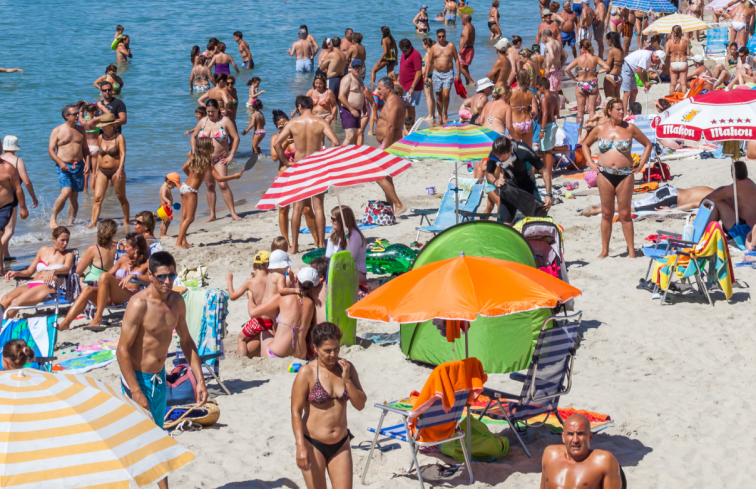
456, 191
468, 437
341, 213
735, 191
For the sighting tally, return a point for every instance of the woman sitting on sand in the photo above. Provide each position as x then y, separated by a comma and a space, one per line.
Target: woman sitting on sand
586, 82
16, 354
99, 257
196, 168
497, 114
615, 169
319, 412
293, 314
49, 262
114, 286
355, 242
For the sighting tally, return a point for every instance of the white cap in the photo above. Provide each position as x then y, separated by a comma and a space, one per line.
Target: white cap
660, 54
10, 143
279, 259
483, 83
502, 44
698, 58
308, 274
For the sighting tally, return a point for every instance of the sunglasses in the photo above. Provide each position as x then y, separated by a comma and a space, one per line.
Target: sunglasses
72, 113
141, 223
170, 276
106, 89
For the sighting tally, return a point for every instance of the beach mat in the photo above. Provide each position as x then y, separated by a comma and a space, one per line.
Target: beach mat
383, 339
328, 229
86, 363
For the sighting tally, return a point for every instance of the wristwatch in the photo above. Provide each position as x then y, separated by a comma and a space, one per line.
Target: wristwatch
548, 195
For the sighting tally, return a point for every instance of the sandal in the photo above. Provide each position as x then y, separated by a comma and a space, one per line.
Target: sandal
447, 470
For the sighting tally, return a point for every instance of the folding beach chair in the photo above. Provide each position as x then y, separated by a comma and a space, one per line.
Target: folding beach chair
717, 39
643, 122
208, 333
433, 415
553, 360
446, 212
40, 333
572, 130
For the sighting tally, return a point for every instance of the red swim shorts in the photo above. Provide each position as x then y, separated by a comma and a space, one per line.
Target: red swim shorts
255, 326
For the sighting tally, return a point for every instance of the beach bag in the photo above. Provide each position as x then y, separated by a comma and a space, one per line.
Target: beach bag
180, 386
484, 445
193, 276
659, 172
186, 417
379, 213
591, 179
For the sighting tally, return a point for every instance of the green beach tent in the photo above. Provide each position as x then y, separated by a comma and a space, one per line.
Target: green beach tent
502, 344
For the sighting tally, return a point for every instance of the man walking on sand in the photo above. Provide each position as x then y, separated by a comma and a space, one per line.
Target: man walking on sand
68, 149
410, 76
568, 20
549, 115
466, 47
352, 99
146, 334
304, 52
388, 130
246, 54
553, 61
308, 131
442, 57
11, 195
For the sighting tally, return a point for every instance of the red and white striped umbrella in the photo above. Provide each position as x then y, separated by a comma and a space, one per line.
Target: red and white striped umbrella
714, 116
342, 166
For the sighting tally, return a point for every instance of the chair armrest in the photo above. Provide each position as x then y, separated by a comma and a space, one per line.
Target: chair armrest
400, 412
424, 212
139, 282
202, 358
476, 214
44, 359
518, 377
494, 394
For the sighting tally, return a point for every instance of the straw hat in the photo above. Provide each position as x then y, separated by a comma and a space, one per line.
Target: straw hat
107, 120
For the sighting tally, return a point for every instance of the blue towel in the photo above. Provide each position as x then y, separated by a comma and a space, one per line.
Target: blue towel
328, 229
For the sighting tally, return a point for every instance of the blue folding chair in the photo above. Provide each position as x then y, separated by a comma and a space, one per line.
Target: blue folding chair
572, 130
433, 416
717, 38
543, 385
40, 334
643, 122
446, 212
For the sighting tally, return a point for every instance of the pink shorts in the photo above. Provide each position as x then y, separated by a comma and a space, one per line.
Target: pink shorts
555, 80
466, 55
255, 326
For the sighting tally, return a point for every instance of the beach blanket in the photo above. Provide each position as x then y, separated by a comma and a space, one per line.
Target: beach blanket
39, 333
195, 305
328, 229
383, 339
102, 345
81, 365
466, 186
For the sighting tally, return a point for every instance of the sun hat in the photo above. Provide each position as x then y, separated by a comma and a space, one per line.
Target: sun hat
698, 58
546, 12
502, 44
483, 83
10, 143
279, 259
175, 178
308, 274
262, 257
106, 120
660, 54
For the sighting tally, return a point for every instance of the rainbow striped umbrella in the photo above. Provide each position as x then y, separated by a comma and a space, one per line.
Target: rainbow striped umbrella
454, 141
71, 431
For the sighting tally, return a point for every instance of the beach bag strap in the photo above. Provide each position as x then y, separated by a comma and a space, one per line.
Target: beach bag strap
379, 213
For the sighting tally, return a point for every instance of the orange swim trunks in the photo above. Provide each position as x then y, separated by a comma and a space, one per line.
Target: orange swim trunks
255, 326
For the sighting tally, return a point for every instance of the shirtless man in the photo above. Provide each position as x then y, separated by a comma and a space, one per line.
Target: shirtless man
334, 65
308, 131
302, 48
466, 47
574, 465
484, 87
11, 195
123, 51
388, 130
352, 99
68, 149
587, 19
311, 39
146, 334
244, 52
441, 58
553, 61
664, 199
450, 12
249, 340
537, 58
549, 115
347, 42
599, 18
569, 19
548, 24
502, 68
724, 200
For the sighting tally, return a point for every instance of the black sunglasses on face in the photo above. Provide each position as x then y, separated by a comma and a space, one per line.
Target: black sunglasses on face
141, 223
106, 89
170, 276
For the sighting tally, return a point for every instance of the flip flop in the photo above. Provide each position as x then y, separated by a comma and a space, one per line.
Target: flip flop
95, 329
447, 470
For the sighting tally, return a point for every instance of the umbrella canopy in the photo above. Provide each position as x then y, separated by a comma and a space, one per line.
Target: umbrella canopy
714, 116
720, 5
646, 5
688, 23
462, 289
454, 141
71, 431
342, 166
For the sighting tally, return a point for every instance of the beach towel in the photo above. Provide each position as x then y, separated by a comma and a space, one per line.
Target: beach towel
213, 323
466, 186
484, 445
195, 306
101, 345
81, 365
38, 332
328, 229
444, 383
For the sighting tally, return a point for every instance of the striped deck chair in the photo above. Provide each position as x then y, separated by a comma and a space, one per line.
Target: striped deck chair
717, 39
553, 359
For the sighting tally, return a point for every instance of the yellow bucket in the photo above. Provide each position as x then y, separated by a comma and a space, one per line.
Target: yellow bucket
165, 214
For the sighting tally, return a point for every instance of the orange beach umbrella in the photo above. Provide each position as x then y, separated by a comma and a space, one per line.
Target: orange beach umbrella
461, 289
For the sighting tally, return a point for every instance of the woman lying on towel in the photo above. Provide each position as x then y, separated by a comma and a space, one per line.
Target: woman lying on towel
319, 411
114, 286
49, 262
293, 314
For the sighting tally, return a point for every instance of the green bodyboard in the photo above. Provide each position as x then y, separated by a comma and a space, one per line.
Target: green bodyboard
341, 292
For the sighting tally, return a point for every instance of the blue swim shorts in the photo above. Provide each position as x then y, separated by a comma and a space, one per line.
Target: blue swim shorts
153, 388
568, 38
73, 178
248, 65
304, 65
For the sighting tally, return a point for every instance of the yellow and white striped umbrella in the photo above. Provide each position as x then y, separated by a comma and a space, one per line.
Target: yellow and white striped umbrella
71, 431
687, 22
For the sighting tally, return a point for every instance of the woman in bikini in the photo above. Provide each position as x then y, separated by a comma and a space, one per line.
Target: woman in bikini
88, 120
110, 76
231, 102
627, 28
493, 20
430, 97
219, 129
388, 58
615, 58
524, 110
323, 100
258, 123
586, 82
112, 154
280, 119
530, 66
217, 93
677, 50
497, 114
49, 262
742, 17
222, 60
197, 168
614, 19
98, 257
319, 412
200, 79
725, 73
615, 170
144, 224
10, 146
421, 21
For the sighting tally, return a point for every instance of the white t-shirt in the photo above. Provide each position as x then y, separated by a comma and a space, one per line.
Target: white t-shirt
640, 58
355, 247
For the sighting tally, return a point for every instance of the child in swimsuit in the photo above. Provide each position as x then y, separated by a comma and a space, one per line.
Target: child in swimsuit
254, 90
254, 288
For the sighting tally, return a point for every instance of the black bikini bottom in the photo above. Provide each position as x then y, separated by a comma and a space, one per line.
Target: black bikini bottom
615, 180
108, 172
329, 449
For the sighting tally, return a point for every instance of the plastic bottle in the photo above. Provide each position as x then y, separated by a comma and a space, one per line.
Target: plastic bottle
688, 230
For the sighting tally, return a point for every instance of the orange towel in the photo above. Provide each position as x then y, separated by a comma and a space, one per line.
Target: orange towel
443, 383
454, 328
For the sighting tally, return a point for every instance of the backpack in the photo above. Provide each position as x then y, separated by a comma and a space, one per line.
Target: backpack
180, 386
659, 172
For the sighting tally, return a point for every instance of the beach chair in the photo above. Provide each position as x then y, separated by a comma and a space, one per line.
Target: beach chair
572, 130
717, 38
207, 327
433, 415
39, 332
543, 385
445, 215
643, 122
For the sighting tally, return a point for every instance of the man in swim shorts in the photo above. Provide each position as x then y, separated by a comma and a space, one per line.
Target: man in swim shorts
388, 130
246, 54
334, 64
442, 57
574, 465
569, 19
549, 115
553, 61
466, 47
302, 48
146, 334
352, 99
11, 195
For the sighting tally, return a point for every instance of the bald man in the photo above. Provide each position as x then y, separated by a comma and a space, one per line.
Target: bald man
574, 465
